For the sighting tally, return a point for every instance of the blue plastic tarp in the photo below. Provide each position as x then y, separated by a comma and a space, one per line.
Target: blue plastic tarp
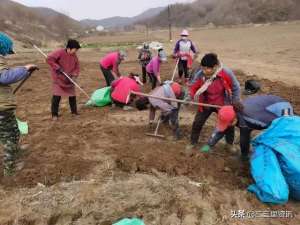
282, 138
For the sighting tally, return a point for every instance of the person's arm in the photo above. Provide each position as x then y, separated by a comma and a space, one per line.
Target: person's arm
193, 48
194, 88
176, 49
52, 60
156, 70
115, 71
77, 68
13, 75
236, 88
158, 78
140, 56
215, 137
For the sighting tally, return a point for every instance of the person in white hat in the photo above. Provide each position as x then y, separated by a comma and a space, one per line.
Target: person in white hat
183, 49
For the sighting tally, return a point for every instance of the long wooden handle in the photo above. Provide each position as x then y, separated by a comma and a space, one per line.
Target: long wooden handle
175, 100
22, 82
66, 75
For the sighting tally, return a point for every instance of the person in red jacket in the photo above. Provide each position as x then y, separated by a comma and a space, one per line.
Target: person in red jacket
213, 84
122, 87
64, 60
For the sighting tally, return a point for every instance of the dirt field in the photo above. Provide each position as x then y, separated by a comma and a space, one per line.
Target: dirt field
100, 167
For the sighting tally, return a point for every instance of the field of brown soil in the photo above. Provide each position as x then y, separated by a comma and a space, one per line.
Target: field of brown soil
100, 167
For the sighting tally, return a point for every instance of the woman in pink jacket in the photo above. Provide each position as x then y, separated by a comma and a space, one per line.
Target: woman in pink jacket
122, 87
153, 68
109, 65
64, 60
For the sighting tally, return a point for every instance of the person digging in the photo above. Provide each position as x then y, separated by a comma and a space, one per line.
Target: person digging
64, 61
121, 88
109, 65
9, 132
169, 110
254, 113
153, 68
214, 85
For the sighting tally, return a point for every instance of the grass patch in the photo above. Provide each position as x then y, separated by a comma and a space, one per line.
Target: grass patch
116, 45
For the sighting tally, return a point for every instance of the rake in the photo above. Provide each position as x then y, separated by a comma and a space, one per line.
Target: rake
155, 134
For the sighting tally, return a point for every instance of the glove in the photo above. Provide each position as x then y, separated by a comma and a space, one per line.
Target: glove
205, 148
59, 71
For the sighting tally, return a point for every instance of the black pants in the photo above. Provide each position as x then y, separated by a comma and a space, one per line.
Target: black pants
109, 78
153, 80
183, 68
144, 72
119, 104
200, 120
55, 105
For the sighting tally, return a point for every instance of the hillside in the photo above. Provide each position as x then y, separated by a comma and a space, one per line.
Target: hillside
36, 24
119, 21
224, 12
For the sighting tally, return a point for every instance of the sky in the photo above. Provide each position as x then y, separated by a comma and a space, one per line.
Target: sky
99, 9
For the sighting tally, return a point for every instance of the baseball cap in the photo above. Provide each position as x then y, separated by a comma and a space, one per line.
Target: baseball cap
226, 116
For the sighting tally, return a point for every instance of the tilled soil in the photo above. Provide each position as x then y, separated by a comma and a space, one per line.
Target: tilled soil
107, 147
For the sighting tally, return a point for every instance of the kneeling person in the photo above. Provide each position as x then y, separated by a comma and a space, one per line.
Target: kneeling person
122, 87
254, 113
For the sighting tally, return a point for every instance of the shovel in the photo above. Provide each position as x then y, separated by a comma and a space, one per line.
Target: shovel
155, 134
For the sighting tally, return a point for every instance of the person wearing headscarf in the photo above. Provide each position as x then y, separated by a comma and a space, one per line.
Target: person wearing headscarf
9, 132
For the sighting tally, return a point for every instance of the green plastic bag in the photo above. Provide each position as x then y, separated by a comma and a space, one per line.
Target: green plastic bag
127, 221
100, 97
23, 127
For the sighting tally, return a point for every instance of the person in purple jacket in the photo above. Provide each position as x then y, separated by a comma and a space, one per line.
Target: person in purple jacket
9, 132
153, 68
183, 49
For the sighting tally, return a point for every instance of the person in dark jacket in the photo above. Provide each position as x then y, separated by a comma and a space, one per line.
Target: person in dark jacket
9, 132
254, 113
144, 58
215, 85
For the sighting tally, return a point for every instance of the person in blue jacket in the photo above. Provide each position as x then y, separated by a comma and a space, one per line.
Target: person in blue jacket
9, 133
254, 113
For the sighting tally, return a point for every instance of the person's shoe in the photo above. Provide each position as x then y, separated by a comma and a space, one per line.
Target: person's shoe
19, 166
127, 108
9, 171
177, 135
23, 150
205, 148
189, 149
54, 118
75, 114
